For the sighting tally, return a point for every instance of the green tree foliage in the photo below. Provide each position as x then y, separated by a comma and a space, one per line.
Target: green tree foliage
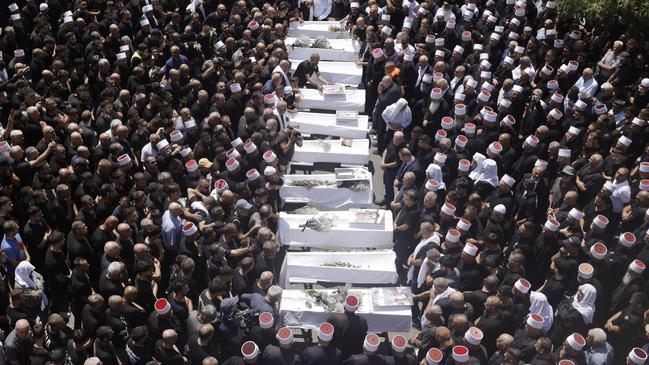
633, 14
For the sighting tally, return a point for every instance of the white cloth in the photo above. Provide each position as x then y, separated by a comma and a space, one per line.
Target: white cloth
314, 151
586, 306
279, 70
320, 9
489, 173
423, 242
423, 270
398, 113
621, 196
325, 124
341, 235
587, 87
539, 305
282, 119
147, 150
336, 72
367, 267
25, 275
315, 29
341, 50
447, 293
478, 158
295, 313
435, 172
328, 196
351, 100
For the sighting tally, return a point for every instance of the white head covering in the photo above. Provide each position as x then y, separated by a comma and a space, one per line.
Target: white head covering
479, 159
25, 275
435, 172
539, 305
489, 173
398, 112
587, 305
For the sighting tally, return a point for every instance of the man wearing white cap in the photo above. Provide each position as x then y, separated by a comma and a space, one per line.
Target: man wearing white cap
470, 270
369, 355
284, 353
323, 352
350, 328
631, 282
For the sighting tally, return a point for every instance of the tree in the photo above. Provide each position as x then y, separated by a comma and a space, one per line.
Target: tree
634, 14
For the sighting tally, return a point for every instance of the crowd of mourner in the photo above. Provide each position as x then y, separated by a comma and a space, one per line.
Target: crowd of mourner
144, 143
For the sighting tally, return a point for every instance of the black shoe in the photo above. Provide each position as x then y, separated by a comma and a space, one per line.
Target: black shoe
380, 202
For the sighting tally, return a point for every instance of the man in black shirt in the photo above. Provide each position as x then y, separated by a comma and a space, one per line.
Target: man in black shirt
241, 282
34, 235
137, 351
80, 288
19, 344
390, 163
283, 354
58, 273
110, 280
165, 350
350, 329
627, 324
304, 71
201, 347
56, 334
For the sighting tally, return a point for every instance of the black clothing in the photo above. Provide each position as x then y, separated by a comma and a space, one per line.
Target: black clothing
349, 332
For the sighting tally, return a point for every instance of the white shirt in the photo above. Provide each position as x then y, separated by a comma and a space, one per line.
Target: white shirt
621, 196
587, 87
147, 150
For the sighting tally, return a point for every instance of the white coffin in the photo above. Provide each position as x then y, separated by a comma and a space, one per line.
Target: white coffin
314, 29
329, 196
352, 99
337, 72
369, 267
333, 151
295, 313
341, 50
325, 124
340, 236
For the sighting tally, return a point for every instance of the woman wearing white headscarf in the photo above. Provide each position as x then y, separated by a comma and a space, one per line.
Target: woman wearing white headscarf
397, 116
32, 282
539, 305
476, 163
487, 180
574, 314
434, 172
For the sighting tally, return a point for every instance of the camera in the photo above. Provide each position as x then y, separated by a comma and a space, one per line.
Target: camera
243, 319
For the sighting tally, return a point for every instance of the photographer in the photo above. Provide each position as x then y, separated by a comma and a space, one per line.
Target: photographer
287, 139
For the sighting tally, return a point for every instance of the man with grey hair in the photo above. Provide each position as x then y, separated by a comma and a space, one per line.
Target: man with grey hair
599, 352
110, 283
388, 93
206, 315
171, 226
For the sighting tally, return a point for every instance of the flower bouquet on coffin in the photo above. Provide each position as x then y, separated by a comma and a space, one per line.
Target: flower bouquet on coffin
321, 223
330, 302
